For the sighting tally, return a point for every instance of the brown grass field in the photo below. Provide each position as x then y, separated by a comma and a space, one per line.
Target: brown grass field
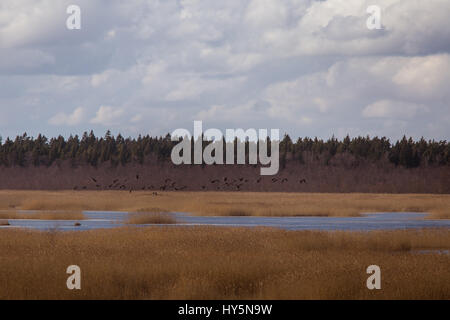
223, 263
217, 262
229, 203
43, 215
150, 218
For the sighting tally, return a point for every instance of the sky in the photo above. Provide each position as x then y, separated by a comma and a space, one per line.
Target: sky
309, 68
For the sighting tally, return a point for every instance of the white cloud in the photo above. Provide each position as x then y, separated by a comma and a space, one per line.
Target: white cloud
107, 116
20, 21
101, 78
137, 118
249, 111
266, 13
428, 76
308, 66
24, 59
185, 88
73, 119
110, 34
357, 90
393, 109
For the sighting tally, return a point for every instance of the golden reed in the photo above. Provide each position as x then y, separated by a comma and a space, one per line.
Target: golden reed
229, 203
224, 263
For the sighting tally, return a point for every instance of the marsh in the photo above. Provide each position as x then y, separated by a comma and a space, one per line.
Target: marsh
106, 220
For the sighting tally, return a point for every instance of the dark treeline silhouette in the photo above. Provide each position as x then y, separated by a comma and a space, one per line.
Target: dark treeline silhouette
25, 150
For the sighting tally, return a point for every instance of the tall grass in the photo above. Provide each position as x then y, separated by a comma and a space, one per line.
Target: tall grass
7, 214
223, 263
150, 218
229, 203
43, 215
57, 215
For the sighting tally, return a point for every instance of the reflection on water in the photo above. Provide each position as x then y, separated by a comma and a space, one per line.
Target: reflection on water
432, 251
372, 221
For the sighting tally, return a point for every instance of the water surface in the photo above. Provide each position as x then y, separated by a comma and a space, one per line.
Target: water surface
368, 221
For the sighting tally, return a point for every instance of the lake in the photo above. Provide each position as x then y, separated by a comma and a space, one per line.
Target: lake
368, 221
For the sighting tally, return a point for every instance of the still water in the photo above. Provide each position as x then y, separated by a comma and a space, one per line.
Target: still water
368, 221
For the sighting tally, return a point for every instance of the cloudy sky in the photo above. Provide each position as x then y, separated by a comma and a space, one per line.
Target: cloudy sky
309, 68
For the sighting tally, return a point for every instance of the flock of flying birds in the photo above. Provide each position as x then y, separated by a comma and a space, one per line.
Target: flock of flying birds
225, 183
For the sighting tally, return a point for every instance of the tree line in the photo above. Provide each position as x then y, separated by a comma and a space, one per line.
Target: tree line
117, 150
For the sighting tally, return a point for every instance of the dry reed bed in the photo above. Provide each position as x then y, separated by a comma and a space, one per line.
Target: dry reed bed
43, 215
229, 203
150, 218
223, 263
